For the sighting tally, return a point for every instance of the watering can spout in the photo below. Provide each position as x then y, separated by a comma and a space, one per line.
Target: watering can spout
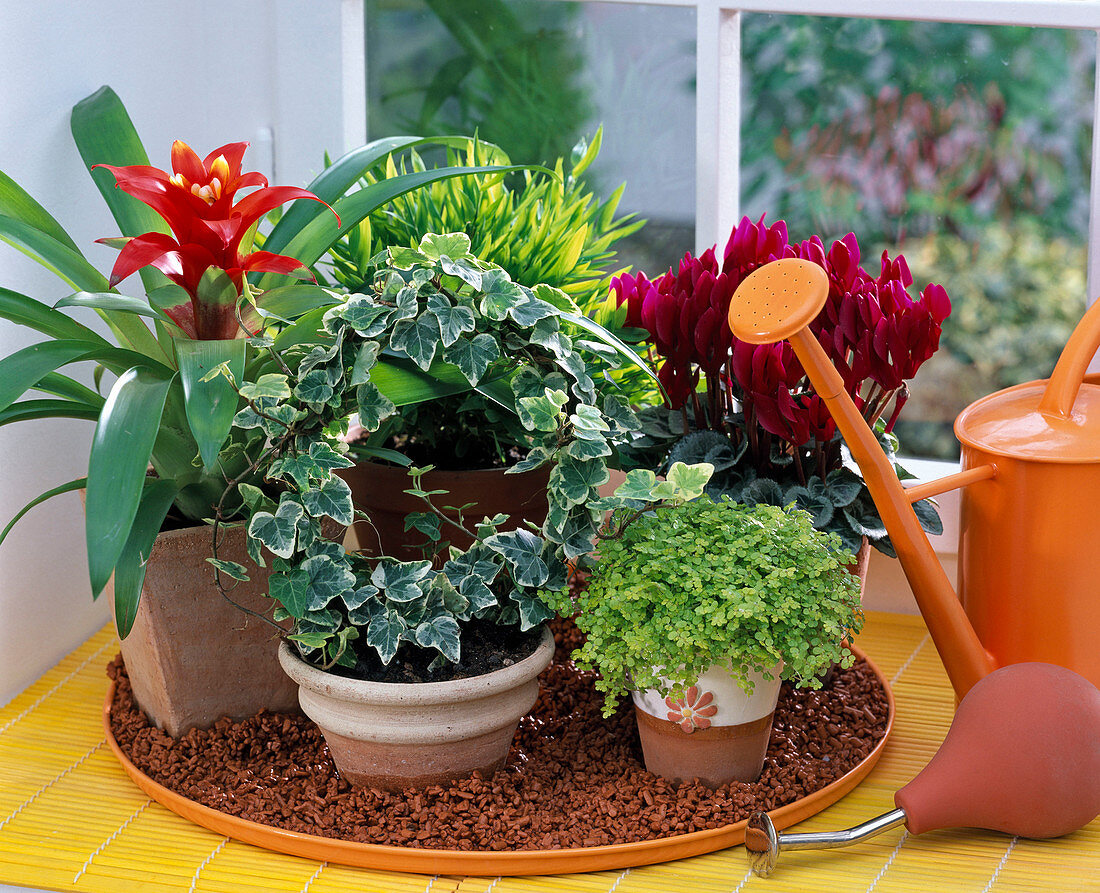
778, 301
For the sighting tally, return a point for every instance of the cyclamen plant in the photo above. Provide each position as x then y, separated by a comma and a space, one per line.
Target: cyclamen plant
750, 409
433, 310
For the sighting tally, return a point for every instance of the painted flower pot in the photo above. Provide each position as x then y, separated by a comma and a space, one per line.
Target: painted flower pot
379, 490
716, 732
393, 736
192, 657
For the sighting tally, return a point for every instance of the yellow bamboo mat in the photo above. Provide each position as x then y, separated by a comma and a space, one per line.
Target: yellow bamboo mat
70, 819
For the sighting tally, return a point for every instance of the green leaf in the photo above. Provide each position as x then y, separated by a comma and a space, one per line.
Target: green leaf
55, 256
384, 634
453, 320
25, 311
440, 632
113, 302
575, 480
121, 447
288, 302
156, 499
417, 338
582, 321
363, 314
16, 203
499, 294
272, 385
639, 484
31, 410
400, 579
451, 245
542, 413
277, 532
210, 404
522, 550
533, 611
689, 480
230, 568
472, 356
78, 484
332, 498
404, 383
373, 406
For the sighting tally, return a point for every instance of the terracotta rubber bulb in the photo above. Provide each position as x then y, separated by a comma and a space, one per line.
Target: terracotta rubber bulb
1022, 756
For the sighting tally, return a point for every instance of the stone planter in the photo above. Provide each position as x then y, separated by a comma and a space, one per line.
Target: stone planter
394, 736
379, 489
193, 657
716, 732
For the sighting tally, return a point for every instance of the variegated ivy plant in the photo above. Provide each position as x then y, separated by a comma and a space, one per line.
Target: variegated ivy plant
434, 313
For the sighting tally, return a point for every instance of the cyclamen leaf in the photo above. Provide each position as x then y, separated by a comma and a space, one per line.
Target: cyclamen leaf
844, 485
453, 319
373, 406
277, 531
929, 518
522, 550
417, 339
400, 579
442, 633
472, 357
332, 498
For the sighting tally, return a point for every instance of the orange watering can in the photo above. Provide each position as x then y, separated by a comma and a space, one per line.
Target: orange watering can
1029, 581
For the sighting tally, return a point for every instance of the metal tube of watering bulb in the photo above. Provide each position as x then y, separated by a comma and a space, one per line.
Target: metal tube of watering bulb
778, 301
1022, 757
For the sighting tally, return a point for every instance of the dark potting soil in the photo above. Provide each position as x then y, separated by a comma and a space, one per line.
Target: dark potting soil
485, 647
573, 779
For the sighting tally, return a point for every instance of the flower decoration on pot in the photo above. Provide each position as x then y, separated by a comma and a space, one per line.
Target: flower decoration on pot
698, 607
749, 409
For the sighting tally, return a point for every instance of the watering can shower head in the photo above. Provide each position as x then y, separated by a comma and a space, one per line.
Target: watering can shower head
778, 300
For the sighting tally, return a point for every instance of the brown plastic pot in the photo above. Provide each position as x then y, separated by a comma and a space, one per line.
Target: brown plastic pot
379, 489
393, 736
193, 657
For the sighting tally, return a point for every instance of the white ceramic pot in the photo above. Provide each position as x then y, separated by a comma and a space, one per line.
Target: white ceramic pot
393, 736
716, 732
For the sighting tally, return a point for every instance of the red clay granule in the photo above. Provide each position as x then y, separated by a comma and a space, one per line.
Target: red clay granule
573, 779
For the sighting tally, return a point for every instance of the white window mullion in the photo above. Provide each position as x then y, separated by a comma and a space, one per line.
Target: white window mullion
1094, 194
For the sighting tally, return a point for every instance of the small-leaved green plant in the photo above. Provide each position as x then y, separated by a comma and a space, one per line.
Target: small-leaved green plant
698, 582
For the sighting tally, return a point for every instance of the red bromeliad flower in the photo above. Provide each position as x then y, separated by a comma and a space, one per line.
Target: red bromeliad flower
874, 332
197, 203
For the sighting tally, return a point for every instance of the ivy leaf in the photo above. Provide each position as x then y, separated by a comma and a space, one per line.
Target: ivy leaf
325, 457
574, 480
473, 562
332, 498
273, 420
440, 632
588, 423
528, 309
536, 458
272, 386
277, 531
639, 484
365, 359
547, 333
587, 449
364, 615
499, 294
364, 314
452, 601
556, 298
400, 579
373, 406
405, 258
315, 387
425, 522
298, 467
453, 319
620, 413
384, 634
417, 338
311, 585
464, 269
451, 245
478, 596
688, 481
472, 356
230, 568
541, 413
356, 598
522, 550
532, 609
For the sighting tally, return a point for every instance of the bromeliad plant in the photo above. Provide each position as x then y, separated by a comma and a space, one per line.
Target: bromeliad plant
433, 312
750, 409
218, 309
694, 582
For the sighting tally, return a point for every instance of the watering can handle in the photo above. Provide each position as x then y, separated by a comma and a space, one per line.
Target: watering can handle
1065, 381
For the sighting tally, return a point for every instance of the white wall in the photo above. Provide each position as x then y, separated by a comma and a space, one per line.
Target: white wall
205, 71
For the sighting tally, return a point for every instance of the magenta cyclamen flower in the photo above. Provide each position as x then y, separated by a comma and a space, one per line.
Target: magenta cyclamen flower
875, 333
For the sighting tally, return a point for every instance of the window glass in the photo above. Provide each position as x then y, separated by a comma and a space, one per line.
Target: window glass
964, 147
534, 77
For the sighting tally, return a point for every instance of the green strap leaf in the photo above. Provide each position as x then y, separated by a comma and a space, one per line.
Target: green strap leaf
17, 204
104, 134
612, 340
403, 382
210, 404
121, 447
156, 499
62, 386
113, 302
33, 314
29, 410
78, 484
55, 256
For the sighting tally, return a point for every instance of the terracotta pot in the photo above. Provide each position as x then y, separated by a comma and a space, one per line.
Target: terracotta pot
393, 736
193, 657
716, 733
379, 491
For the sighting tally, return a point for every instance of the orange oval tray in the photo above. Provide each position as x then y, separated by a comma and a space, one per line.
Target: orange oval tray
517, 862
